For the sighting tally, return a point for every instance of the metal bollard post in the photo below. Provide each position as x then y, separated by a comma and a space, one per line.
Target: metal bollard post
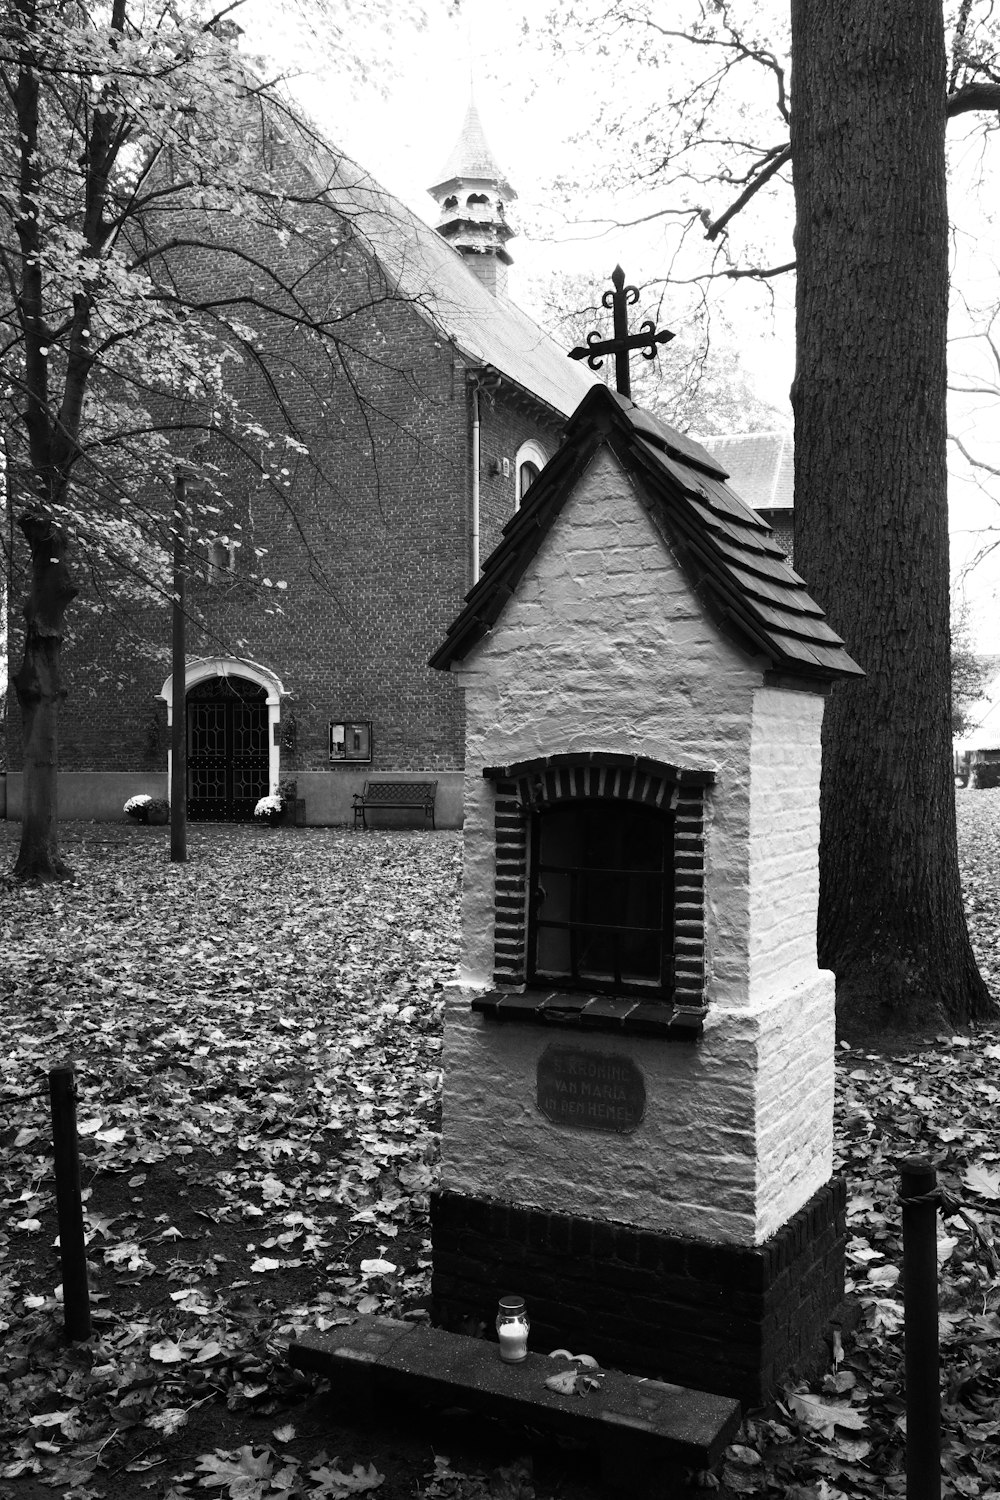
918, 1194
69, 1203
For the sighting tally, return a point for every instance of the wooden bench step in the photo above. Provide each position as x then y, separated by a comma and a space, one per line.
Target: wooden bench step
644, 1429
394, 796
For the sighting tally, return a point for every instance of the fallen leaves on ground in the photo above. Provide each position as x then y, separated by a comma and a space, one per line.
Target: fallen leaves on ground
257, 1042
845, 1435
257, 1036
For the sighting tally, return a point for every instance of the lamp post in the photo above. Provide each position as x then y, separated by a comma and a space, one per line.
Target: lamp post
178, 727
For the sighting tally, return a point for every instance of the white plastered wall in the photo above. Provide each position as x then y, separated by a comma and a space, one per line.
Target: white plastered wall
605, 647
793, 999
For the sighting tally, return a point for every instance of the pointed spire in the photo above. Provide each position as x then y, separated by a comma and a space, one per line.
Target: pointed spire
472, 194
471, 158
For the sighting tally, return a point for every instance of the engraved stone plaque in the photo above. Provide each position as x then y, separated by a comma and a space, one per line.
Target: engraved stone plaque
590, 1090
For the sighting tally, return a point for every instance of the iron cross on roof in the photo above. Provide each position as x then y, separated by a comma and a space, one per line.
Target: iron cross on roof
623, 342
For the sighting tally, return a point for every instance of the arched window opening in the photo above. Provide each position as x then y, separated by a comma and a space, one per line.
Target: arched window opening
451, 202
476, 200
601, 897
528, 464
599, 880
221, 559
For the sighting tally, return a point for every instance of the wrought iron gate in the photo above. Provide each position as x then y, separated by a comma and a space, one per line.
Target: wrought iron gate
227, 749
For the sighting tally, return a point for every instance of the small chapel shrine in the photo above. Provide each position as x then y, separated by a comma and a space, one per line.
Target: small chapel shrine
639, 1050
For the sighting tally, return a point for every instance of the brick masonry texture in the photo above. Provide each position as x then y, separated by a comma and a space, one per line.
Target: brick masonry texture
736, 1135
505, 424
560, 778
785, 766
781, 522
732, 1320
605, 649
371, 534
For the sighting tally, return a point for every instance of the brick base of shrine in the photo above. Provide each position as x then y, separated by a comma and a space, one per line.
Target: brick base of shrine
731, 1319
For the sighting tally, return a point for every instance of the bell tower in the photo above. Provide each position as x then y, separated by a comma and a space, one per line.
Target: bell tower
472, 196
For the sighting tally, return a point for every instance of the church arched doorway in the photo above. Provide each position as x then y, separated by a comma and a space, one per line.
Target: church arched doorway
228, 752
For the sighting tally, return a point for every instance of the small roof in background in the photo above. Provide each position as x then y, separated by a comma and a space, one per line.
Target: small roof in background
728, 553
761, 466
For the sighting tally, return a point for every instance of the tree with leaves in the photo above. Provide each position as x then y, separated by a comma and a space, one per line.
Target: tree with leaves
862, 133
971, 674
163, 212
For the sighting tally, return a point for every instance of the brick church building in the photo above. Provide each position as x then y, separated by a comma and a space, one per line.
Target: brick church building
465, 399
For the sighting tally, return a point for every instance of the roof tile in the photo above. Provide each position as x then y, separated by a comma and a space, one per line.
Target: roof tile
434, 277
760, 465
719, 538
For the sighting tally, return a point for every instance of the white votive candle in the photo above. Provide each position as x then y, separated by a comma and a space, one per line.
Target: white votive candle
513, 1342
512, 1329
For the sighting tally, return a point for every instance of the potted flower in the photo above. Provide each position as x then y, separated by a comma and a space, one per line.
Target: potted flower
270, 809
147, 809
288, 791
138, 807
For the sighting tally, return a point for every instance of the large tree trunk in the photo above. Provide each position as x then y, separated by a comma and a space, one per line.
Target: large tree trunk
871, 524
40, 692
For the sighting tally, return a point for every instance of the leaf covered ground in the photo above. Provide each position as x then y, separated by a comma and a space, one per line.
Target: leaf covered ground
257, 1038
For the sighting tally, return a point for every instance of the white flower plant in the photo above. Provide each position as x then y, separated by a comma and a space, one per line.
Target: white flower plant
135, 805
269, 805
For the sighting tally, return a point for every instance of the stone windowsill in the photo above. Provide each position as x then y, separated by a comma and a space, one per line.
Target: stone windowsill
623, 1014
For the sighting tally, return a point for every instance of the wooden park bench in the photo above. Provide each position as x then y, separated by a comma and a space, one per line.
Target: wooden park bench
393, 794
644, 1431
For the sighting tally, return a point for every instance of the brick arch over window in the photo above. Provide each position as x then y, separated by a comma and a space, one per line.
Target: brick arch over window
528, 787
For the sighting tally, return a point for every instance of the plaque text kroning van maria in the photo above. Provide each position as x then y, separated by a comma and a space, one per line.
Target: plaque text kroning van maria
591, 1090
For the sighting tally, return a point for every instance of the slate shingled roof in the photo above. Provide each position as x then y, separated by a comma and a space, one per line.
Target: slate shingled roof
434, 277
761, 466
471, 158
727, 551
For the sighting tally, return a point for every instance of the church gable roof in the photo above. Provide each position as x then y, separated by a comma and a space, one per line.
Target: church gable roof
434, 278
727, 551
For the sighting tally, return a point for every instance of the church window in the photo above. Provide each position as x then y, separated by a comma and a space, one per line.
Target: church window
528, 464
527, 474
451, 202
221, 560
475, 200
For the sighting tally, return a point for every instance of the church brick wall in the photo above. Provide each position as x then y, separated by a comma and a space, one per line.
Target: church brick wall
389, 539
373, 544
504, 426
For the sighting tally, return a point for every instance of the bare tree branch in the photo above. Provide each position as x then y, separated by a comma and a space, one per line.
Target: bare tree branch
976, 463
765, 174
759, 273
973, 96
